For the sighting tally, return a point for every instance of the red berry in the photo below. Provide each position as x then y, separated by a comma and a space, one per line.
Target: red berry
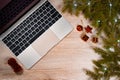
84, 37
88, 29
15, 66
79, 28
94, 39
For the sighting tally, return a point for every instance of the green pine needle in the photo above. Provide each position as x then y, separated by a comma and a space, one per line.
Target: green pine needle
105, 17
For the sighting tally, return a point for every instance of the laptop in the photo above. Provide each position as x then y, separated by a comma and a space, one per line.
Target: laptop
30, 28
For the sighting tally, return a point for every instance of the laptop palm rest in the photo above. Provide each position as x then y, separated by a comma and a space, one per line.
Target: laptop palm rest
45, 42
28, 57
38, 49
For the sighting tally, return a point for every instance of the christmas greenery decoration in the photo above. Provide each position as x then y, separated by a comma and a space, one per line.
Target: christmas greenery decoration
104, 15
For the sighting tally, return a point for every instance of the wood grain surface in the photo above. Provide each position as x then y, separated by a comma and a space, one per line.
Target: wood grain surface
65, 61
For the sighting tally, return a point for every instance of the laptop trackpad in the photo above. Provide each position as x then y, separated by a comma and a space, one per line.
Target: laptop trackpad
45, 42
61, 28
28, 57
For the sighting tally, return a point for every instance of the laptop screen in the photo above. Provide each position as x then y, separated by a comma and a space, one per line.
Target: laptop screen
12, 10
3, 3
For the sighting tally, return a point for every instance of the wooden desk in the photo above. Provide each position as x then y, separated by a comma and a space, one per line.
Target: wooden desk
66, 61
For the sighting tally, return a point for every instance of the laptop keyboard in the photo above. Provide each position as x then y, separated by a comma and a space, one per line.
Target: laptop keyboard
31, 28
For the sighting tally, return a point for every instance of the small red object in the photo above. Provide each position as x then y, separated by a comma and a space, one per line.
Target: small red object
85, 37
15, 66
94, 39
88, 29
79, 28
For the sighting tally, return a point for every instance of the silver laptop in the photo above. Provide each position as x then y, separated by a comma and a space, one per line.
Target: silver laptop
30, 28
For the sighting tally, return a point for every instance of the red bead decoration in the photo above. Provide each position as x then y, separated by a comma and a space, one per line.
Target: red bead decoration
79, 28
85, 37
15, 66
88, 29
95, 40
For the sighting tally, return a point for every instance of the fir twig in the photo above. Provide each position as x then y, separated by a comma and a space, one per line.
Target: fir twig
105, 17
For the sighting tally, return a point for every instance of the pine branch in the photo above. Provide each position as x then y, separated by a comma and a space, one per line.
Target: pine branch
105, 18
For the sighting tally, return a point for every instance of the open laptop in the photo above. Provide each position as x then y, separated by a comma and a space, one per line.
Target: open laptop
30, 28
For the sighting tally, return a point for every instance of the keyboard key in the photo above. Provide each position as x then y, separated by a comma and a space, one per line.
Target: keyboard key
31, 18
37, 13
17, 42
42, 20
30, 35
24, 24
48, 9
21, 44
5, 41
37, 30
19, 34
19, 39
53, 21
23, 48
45, 17
29, 26
23, 37
35, 37
29, 31
16, 37
52, 11
8, 38
59, 16
40, 28
9, 44
35, 25
39, 23
15, 49
47, 4
49, 19
23, 31
17, 53
41, 15
14, 32
11, 35
40, 10
46, 22
34, 16
32, 23
12, 46
27, 38
38, 17
34, 33
24, 41
32, 28
47, 26
35, 20
43, 7
43, 24
13, 40
17, 29
54, 15
26, 34
45, 12
26, 29
26, 45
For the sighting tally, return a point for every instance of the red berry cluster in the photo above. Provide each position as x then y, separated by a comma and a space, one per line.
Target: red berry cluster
15, 66
87, 29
